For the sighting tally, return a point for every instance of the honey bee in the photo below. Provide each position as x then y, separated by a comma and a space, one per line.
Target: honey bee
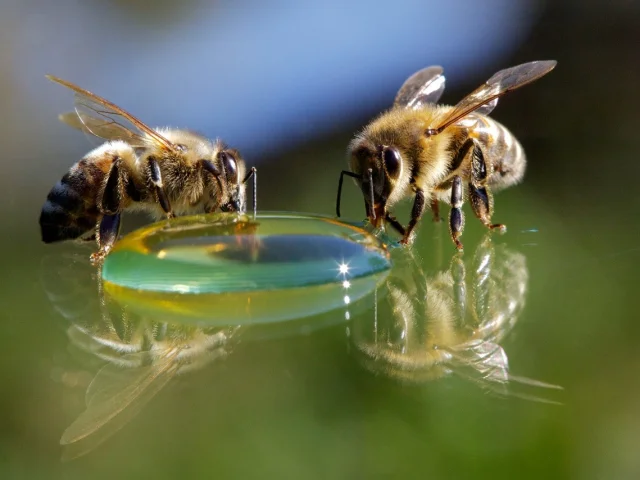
426, 150
162, 171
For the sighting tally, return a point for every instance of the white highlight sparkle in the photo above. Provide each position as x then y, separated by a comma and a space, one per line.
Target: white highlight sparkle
347, 300
181, 288
346, 284
343, 268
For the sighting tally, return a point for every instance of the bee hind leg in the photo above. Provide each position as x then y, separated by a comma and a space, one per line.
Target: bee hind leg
155, 177
479, 195
456, 215
106, 236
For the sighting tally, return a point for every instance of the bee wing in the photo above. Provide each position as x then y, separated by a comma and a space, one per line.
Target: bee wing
114, 397
485, 97
104, 119
424, 86
101, 128
487, 108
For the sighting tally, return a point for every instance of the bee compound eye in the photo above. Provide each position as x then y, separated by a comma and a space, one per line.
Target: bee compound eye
230, 165
392, 161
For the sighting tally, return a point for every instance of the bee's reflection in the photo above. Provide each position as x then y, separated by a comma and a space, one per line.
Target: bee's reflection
447, 322
138, 356
424, 324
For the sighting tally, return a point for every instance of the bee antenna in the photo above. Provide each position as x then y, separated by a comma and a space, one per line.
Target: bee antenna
253, 174
373, 210
255, 191
342, 174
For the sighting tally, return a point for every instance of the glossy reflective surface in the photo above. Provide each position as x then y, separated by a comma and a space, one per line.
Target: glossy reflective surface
447, 354
272, 268
413, 328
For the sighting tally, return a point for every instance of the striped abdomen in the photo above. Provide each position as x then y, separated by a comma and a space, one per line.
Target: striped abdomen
502, 150
71, 207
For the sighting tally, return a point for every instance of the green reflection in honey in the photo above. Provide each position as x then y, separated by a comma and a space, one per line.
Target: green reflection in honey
228, 268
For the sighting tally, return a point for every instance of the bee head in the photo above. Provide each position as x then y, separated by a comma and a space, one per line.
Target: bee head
232, 167
380, 169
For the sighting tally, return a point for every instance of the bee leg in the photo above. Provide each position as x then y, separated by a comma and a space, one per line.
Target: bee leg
435, 208
110, 205
155, 176
391, 220
479, 195
456, 215
106, 236
419, 205
113, 191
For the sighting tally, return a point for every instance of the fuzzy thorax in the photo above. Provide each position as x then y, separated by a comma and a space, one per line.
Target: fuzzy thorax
425, 160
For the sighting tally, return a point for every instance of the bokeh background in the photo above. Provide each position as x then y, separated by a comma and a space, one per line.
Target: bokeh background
289, 83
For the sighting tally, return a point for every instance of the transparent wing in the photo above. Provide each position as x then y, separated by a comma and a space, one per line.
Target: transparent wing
115, 396
424, 86
104, 119
485, 98
100, 128
487, 108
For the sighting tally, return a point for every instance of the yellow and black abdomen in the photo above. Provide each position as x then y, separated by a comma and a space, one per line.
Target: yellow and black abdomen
502, 151
71, 208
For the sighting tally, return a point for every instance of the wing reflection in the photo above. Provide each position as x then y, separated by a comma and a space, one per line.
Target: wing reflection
136, 356
449, 322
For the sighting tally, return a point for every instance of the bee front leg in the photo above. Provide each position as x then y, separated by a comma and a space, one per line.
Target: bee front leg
456, 215
479, 194
155, 177
395, 224
419, 205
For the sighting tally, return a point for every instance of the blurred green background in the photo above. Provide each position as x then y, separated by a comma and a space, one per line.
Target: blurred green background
289, 84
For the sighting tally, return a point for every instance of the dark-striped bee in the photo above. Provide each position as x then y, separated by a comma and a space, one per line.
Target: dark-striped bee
430, 151
162, 171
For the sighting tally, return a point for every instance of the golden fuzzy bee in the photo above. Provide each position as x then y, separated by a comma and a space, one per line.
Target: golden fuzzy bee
162, 171
426, 150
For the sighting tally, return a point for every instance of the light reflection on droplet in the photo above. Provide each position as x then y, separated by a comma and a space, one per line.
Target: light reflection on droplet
181, 288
